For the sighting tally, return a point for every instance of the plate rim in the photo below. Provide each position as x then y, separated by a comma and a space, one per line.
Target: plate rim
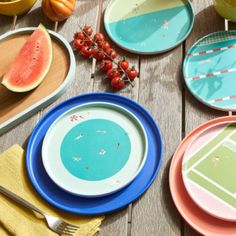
193, 14
124, 110
184, 73
8, 124
176, 158
185, 180
101, 95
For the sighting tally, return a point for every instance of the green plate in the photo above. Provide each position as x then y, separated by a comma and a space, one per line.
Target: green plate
208, 170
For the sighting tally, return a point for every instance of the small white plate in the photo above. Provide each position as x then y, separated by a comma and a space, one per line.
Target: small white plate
94, 149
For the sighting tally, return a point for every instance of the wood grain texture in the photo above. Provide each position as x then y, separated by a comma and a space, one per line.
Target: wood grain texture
5, 23
196, 113
160, 93
20, 133
160, 89
100, 83
11, 104
207, 21
85, 13
115, 224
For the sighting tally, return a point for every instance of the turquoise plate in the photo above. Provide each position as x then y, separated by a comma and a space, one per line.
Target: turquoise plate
94, 149
148, 26
210, 70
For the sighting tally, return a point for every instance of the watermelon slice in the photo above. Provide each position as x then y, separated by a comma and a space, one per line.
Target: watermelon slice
31, 64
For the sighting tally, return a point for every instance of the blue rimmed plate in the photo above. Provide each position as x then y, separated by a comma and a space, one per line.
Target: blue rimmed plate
94, 149
149, 26
92, 206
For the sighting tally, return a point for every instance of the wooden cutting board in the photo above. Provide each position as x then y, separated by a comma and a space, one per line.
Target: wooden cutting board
12, 104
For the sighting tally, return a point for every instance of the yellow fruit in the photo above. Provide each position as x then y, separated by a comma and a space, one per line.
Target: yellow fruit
17, 7
226, 8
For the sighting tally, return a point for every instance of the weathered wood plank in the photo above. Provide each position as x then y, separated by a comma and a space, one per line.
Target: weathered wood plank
85, 13
21, 132
207, 21
115, 224
5, 23
232, 25
33, 18
160, 93
100, 84
87, 10
196, 112
12, 136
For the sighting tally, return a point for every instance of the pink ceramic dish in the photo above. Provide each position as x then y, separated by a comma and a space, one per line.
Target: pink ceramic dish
193, 215
220, 162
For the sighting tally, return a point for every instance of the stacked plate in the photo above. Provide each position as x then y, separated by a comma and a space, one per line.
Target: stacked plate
94, 153
202, 177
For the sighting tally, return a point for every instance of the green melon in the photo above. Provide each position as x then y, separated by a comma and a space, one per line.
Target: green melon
31, 64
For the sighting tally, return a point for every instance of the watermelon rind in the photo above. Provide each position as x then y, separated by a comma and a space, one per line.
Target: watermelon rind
7, 80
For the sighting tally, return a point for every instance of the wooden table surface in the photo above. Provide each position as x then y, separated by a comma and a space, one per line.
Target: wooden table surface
160, 89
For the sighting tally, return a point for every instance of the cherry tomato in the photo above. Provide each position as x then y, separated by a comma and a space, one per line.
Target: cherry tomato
112, 73
88, 30
86, 51
88, 42
106, 65
112, 53
78, 44
124, 64
131, 73
105, 46
79, 35
99, 38
117, 83
98, 55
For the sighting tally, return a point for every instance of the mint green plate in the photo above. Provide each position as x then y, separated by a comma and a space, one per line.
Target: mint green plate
94, 149
210, 68
148, 26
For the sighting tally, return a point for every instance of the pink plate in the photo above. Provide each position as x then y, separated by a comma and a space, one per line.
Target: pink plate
208, 170
194, 215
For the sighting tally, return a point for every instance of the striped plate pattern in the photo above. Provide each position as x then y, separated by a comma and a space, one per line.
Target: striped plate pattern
210, 70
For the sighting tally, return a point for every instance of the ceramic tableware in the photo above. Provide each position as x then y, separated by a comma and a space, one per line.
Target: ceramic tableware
148, 26
94, 149
210, 68
209, 170
93, 206
15, 107
201, 221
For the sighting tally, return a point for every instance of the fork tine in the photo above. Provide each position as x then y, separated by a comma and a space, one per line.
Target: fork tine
63, 228
70, 225
60, 232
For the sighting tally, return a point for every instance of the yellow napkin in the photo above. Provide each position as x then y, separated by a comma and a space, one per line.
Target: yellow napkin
16, 219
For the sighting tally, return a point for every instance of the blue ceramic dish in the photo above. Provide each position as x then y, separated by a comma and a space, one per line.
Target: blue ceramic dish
93, 206
209, 70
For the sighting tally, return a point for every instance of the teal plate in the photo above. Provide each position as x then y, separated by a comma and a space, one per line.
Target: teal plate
94, 149
210, 70
148, 26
